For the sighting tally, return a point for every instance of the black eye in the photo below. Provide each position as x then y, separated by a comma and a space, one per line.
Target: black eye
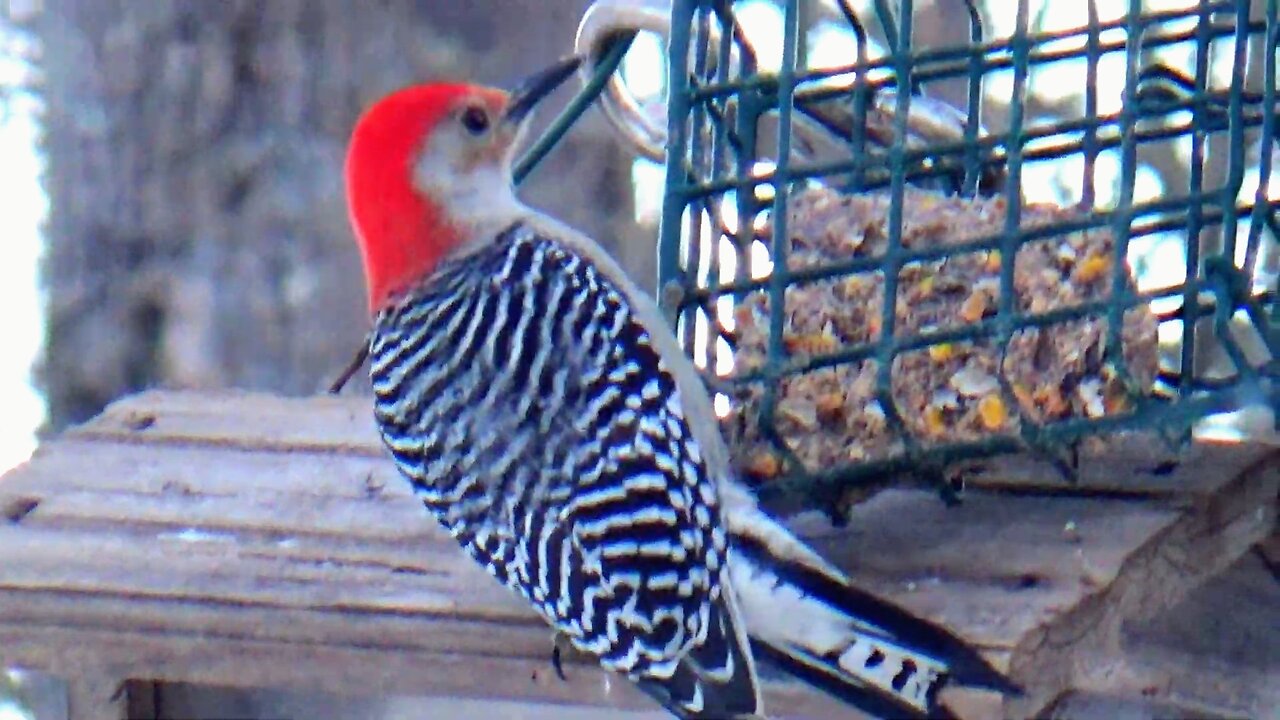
475, 120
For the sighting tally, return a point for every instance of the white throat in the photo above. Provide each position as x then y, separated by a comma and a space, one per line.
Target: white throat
481, 202
477, 196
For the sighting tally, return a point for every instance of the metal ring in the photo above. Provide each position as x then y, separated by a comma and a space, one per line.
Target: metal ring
643, 125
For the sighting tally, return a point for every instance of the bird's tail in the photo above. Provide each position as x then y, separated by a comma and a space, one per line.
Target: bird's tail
803, 614
715, 680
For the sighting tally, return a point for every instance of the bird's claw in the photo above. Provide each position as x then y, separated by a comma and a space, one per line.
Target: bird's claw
556, 663
557, 655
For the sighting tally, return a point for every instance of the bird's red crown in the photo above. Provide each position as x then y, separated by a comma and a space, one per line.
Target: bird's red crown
402, 231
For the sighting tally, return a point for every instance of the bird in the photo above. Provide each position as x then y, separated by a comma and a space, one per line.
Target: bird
544, 413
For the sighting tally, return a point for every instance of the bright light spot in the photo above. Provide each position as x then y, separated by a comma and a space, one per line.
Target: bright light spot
644, 67
1002, 16
761, 263
1219, 428
998, 86
23, 206
1059, 80
1255, 420
1041, 183
647, 178
724, 313
1265, 269
1058, 16
1063, 78
1057, 180
1168, 333
760, 169
699, 349
1249, 186
1222, 63
1181, 143
194, 535
729, 211
1242, 242
1106, 178
762, 20
1111, 70
721, 404
1147, 185
1163, 5
706, 353
728, 273
706, 238
11, 711
644, 71
1164, 260
1179, 55
724, 357
833, 46
728, 260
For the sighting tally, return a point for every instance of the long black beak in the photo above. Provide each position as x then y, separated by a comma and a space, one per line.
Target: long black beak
528, 93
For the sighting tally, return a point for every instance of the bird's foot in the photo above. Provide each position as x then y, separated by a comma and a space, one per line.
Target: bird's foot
557, 643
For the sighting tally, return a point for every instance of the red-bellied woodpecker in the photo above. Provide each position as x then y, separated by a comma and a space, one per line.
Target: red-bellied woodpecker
546, 416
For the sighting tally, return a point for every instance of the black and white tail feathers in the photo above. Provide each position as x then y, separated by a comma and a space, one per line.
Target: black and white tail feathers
716, 680
803, 614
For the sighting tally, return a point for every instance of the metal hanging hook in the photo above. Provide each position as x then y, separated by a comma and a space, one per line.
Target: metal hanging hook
824, 122
642, 123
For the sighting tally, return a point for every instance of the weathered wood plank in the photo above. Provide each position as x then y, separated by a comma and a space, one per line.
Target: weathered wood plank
245, 420
94, 694
354, 669
994, 567
262, 514
63, 562
178, 526
1074, 650
360, 671
390, 629
1219, 646
1011, 579
186, 700
1131, 465
1088, 705
103, 466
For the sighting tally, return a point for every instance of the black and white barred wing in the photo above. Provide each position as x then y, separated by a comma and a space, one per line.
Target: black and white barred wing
640, 574
551, 442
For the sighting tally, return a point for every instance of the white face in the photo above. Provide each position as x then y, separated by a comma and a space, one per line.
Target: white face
468, 175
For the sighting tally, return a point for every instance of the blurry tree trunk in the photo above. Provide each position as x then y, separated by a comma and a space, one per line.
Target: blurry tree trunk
198, 235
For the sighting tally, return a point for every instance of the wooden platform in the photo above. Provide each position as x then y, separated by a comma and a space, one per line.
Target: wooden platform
250, 541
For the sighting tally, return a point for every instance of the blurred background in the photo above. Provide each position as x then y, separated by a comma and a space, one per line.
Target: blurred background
171, 211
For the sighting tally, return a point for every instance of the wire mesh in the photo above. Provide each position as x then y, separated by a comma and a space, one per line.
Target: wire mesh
750, 148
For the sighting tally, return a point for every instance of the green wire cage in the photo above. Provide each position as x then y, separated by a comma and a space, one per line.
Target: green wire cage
859, 270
